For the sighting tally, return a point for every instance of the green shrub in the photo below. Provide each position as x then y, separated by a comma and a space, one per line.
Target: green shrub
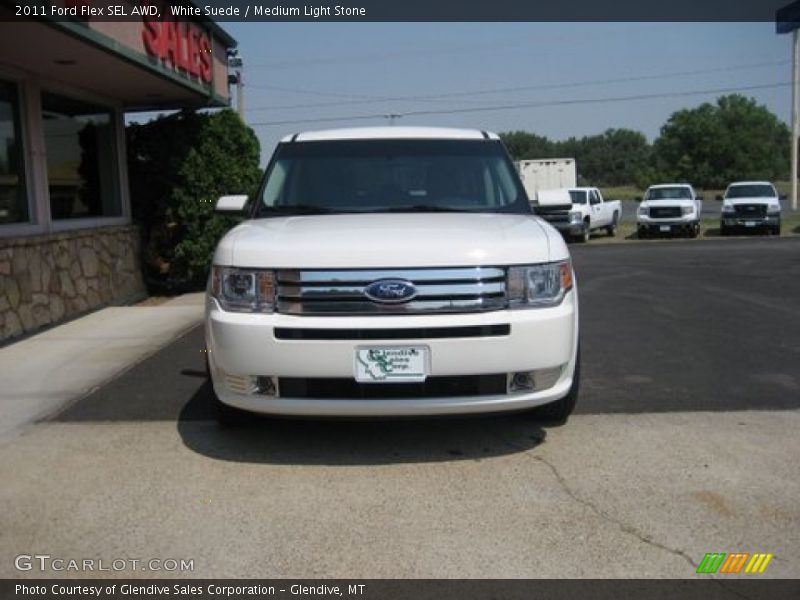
178, 166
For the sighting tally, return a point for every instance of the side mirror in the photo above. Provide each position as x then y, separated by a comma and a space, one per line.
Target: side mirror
638, 198
784, 196
699, 198
719, 197
231, 203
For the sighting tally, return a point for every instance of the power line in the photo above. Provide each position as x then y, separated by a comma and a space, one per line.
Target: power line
365, 99
537, 104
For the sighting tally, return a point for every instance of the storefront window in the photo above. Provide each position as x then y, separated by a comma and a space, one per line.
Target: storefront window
81, 159
13, 198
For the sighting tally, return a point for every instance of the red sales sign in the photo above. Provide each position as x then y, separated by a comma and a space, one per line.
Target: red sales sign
181, 44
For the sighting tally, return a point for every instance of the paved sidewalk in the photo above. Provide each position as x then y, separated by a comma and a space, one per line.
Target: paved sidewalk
42, 373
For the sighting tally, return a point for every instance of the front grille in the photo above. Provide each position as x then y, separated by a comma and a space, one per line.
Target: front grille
665, 212
291, 333
337, 292
553, 215
750, 210
433, 387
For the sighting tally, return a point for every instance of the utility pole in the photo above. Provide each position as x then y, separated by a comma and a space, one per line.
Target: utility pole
240, 94
235, 62
787, 20
795, 111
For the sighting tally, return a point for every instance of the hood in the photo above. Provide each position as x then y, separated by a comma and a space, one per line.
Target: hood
389, 240
553, 198
754, 200
669, 202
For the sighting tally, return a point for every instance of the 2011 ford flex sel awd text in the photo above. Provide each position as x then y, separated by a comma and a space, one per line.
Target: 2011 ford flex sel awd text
391, 271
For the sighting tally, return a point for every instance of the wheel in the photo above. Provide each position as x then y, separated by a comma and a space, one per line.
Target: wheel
724, 231
777, 229
694, 230
226, 416
587, 232
559, 410
611, 230
642, 233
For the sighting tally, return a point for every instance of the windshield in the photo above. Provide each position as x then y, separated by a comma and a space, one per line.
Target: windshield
345, 176
669, 193
751, 191
578, 196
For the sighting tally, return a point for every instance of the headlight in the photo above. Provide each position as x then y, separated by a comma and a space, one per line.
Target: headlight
687, 210
728, 208
575, 215
643, 211
243, 290
538, 285
773, 209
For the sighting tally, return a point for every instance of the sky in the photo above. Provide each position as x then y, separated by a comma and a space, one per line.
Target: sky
298, 75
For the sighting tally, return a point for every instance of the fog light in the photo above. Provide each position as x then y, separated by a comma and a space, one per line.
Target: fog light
520, 382
266, 386
251, 384
534, 381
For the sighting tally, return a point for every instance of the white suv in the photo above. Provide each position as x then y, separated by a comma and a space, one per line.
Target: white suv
391, 271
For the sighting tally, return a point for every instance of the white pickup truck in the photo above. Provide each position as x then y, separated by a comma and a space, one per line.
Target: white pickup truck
579, 213
391, 271
750, 205
668, 209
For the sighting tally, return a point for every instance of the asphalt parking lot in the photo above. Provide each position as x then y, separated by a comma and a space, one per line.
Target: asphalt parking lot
684, 442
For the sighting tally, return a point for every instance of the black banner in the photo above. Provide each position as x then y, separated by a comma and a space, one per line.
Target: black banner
728, 588
400, 10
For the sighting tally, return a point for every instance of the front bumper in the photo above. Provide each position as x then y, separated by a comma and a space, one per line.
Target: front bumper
759, 222
245, 344
666, 226
568, 227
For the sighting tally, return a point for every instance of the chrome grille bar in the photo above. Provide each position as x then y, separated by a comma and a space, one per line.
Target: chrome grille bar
342, 292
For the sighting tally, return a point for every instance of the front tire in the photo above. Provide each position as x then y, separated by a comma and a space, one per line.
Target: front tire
612, 229
560, 410
586, 234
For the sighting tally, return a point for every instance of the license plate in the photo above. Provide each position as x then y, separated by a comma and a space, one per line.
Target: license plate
391, 364
664, 228
749, 223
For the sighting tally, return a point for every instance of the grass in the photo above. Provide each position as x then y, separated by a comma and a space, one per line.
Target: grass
709, 229
629, 192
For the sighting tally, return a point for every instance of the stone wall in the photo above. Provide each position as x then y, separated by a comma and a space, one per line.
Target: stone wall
45, 279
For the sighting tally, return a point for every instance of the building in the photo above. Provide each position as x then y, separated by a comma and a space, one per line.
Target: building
67, 243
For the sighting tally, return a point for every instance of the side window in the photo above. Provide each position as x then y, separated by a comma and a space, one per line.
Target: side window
81, 160
593, 198
13, 197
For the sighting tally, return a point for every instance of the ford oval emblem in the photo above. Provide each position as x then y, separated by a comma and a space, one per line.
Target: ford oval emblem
390, 291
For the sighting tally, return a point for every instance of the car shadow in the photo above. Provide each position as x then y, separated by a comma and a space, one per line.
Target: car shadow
351, 442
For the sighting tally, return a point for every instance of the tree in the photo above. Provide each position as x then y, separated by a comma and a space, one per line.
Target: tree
522, 145
178, 166
616, 157
712, 145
